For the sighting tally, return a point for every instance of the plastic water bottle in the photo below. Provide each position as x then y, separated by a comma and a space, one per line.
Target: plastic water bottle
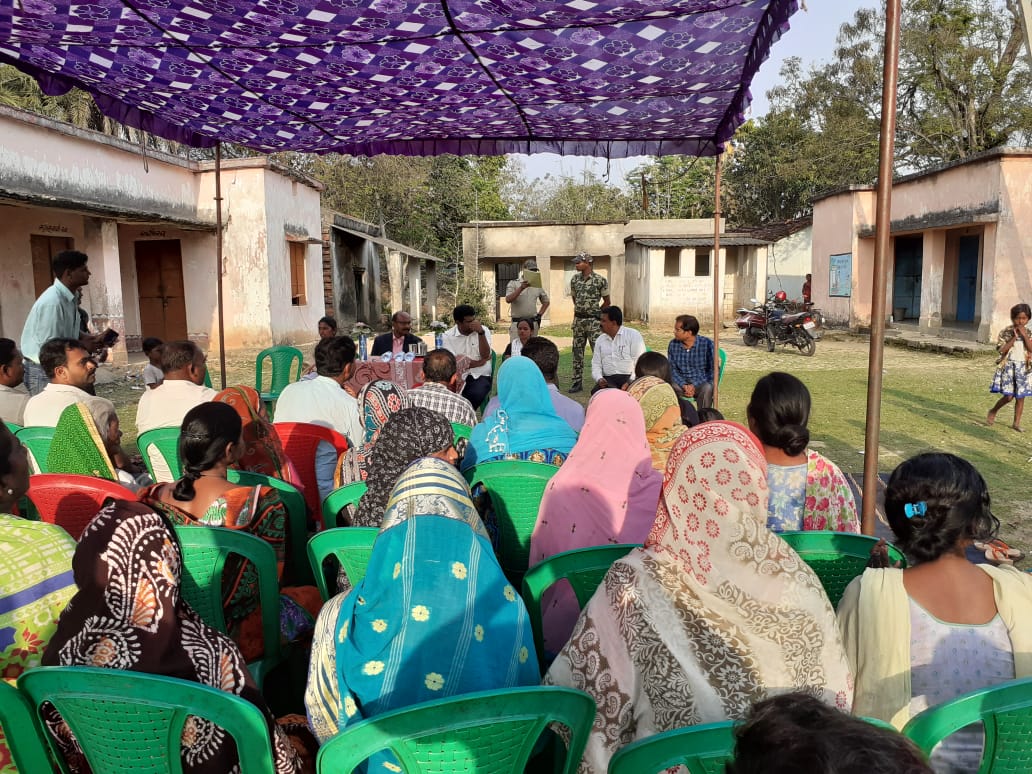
438, 340
362, 347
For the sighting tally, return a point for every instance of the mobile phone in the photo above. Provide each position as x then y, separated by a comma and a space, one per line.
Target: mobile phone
109, 337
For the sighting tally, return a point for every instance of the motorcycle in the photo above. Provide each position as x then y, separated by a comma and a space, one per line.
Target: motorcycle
753, 323
794, 329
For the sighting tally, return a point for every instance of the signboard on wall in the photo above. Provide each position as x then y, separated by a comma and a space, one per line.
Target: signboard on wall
840, 275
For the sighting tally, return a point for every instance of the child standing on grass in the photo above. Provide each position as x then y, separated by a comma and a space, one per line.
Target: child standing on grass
153, 376
1011, 379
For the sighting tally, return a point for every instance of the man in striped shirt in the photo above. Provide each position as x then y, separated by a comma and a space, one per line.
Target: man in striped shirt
439, 389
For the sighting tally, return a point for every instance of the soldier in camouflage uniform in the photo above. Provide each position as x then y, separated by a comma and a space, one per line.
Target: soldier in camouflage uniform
590, 292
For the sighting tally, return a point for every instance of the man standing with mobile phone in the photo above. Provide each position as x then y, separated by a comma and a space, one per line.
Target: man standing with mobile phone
55, 315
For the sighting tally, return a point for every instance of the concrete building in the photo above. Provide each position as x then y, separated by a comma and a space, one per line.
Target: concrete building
147, 221
961, 252
657, 269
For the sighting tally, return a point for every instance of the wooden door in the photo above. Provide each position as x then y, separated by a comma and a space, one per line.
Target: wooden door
159, 283
43, 249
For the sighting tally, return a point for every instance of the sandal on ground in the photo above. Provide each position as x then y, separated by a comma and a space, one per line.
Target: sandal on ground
998, 552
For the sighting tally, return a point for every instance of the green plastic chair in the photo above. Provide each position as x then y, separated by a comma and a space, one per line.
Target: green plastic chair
205, 551
165, 441
284, 366
461, 431
515, 488
133, 722
37, 440
352, 546
22, 733
703, 749
297, 513
339, 499
13, 427
583, 568
489, 731
836, 557
1005, 712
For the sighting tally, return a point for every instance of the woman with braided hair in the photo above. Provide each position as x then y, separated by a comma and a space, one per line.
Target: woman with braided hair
210, 441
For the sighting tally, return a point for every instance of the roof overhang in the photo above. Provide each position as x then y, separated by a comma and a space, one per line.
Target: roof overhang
726, 240
390, 244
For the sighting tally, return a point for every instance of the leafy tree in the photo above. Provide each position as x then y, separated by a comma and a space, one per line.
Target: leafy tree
675, 187
566, 199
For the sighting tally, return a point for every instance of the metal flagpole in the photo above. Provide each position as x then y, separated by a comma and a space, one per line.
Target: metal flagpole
890, 76
218, 263
716, 282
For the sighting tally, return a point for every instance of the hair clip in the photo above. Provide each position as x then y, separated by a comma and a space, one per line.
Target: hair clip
915, 509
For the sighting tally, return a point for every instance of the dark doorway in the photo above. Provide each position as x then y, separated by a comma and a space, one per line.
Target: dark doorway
504, 274
906, 284
159, 283
967, 277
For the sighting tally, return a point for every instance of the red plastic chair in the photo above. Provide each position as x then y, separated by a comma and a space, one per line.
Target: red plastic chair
300, 440
71, 501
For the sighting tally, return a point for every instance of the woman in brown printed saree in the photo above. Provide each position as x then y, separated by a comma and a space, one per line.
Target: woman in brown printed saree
209, 442
713, 614
128, 614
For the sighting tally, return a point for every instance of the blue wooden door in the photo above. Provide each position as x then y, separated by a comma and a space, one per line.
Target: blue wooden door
967, 277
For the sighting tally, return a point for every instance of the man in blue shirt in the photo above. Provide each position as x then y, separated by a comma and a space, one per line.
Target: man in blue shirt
691, 361
55, 315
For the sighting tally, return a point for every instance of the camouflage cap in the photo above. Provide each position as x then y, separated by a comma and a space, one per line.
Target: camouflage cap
583, 257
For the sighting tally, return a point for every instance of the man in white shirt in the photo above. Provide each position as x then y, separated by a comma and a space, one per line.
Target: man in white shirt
468, 337
55, 315
183, 366
71, 369
545, 355
324, 401
616, 351
13, 394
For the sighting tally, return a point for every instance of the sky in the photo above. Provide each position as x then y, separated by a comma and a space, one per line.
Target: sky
811, 36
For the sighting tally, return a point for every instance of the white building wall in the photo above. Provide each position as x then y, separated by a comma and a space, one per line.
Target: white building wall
789, 261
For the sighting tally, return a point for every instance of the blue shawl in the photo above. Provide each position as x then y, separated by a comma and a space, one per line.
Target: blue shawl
433, 617
525, 420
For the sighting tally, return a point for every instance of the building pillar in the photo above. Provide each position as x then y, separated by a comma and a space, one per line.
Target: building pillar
933, 259
415, 291
396, 278
431, 288
103, 296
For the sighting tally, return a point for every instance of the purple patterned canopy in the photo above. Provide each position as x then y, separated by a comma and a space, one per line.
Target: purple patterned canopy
608, 78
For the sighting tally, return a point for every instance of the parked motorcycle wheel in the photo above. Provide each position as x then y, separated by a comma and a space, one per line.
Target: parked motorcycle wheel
750, 337
806, 343
771, 338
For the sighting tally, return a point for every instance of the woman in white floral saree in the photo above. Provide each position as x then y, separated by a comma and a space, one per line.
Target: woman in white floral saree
714, 613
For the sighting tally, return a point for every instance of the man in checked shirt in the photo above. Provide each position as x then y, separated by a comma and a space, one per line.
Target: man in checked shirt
691, 361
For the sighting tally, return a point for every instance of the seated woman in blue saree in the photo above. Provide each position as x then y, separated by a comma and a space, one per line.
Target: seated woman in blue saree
434, 616
525, 425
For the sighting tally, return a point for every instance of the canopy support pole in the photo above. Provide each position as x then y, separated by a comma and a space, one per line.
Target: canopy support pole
882, 236
717, 274
218, 263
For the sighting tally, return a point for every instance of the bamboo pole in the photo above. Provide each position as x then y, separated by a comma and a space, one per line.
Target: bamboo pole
218, 263
716, 282
882, 236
